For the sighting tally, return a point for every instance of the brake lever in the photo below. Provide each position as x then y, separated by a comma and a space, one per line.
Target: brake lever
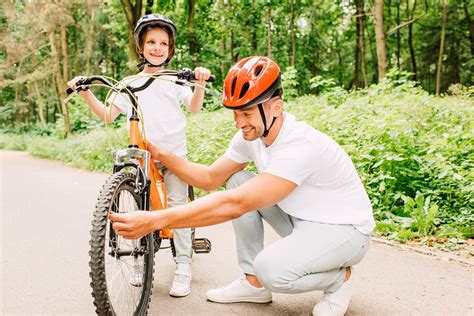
70, 96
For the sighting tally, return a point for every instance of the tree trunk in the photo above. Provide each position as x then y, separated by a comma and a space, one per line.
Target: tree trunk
232, 57
40, 103
254, 29
441, 47
339, 69
133, 14
223, 53
292, 32
373, 55
90, 37
39, 97
363, 65
380, 40
356, 81
60, 83
410, 40
64, 53
398, 35
470, 25
65, 63
387, 23
269, 31
192, 35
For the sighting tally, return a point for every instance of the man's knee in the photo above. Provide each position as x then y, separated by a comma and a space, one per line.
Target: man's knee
238, 178
271, 274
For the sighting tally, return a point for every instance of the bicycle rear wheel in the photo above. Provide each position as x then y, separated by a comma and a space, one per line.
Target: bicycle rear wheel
121, 269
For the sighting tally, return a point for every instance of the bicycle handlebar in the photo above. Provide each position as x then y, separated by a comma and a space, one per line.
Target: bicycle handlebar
185, 74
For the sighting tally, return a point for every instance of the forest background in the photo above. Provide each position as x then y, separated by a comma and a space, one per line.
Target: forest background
392, 81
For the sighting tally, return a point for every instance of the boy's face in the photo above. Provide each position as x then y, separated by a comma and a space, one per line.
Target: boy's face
250, 120
156, 46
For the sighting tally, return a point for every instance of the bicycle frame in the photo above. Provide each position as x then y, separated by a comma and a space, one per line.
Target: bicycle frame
142, 161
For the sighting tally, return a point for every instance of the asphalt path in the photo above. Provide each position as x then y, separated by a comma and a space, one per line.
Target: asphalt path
46, 208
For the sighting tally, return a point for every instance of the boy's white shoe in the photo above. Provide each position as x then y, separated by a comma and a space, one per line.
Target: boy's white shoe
182, 280
239, 291
336, 303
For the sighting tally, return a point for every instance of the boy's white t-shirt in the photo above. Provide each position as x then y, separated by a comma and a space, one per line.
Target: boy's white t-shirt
328, 190
164, 119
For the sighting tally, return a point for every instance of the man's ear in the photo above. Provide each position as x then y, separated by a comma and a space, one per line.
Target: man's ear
278, 107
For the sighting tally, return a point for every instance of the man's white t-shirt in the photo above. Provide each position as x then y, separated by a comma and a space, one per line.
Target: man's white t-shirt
328, 190
164, 120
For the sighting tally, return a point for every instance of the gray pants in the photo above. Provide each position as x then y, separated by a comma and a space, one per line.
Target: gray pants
177, 194
310, 256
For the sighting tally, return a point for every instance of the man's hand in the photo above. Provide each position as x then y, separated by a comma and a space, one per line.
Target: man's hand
132, 225
154, 150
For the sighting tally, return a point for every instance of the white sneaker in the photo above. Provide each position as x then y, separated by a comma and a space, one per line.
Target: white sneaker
336, 303
136, 278
182, 280
239, 291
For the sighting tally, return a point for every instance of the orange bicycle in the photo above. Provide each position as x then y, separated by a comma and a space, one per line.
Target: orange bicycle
136, 184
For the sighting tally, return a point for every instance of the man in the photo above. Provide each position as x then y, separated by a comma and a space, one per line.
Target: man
307, 189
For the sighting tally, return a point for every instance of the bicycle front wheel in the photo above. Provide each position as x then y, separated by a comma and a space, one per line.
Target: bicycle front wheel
121, 269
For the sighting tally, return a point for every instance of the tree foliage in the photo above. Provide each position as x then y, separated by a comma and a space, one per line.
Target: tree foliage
45, 43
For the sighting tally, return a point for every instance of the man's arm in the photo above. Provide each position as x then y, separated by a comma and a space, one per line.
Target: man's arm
261, 191
197, 175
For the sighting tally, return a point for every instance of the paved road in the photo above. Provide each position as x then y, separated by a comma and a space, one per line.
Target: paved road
46, 209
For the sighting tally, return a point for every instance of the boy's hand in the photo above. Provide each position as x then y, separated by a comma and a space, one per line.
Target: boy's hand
73, 83
201, 74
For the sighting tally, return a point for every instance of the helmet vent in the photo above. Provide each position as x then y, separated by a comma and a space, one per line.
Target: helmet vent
258, 70
232, 90
245, 87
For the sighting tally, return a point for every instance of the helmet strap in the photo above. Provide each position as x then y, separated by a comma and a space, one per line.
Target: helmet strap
145, 62
262, 114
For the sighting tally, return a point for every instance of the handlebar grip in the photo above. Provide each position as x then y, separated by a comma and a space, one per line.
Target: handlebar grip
81, 85
188, 74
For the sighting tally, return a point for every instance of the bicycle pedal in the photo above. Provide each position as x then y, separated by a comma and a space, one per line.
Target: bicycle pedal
201, 245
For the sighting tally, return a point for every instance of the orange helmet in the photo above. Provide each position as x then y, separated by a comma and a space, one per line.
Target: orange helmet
250, 82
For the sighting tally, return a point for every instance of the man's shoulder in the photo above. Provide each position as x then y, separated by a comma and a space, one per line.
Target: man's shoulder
299, 132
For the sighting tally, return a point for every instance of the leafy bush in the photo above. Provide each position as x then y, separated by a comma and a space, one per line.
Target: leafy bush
322, 85
289, 83
213, 99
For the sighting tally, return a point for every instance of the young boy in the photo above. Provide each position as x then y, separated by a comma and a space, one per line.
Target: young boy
164, 121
